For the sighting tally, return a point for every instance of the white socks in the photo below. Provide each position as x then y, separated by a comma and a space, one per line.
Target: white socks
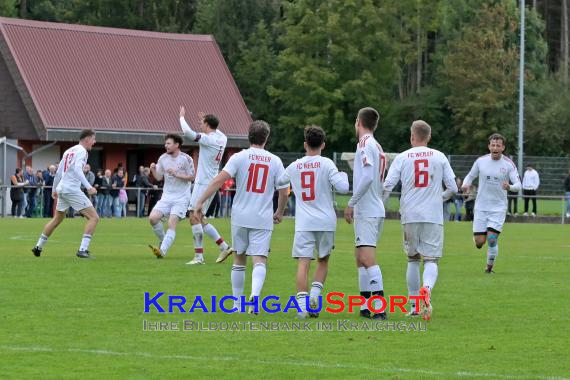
413, 280
492, 253
363, 285
430, 274
85, 242
257, 278
158, 230
41, 241
316, 288
238, 281
215, 235
198, 233
167, 241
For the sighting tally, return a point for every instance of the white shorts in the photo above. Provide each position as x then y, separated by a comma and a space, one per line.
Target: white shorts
367, 231
77, 200
306, 242
423, 238
251, 241
484, 220
172, 207
197, 192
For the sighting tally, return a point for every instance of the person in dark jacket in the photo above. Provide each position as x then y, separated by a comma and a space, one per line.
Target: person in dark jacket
17, 193
143, 181
49, 176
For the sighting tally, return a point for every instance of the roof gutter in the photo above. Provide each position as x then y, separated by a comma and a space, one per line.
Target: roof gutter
142, 138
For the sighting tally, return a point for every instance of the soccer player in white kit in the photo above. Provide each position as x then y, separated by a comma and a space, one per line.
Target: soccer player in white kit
366, 209
494, 172
67, 193
256, 172
177, 169
422, 171
212, 144
313, 178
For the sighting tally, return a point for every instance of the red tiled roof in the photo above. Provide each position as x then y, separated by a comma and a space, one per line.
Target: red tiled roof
122, 80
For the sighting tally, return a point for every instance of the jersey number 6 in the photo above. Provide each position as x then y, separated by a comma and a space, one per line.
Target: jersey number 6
421, 176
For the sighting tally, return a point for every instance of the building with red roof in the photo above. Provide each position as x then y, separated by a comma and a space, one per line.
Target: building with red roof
56, 79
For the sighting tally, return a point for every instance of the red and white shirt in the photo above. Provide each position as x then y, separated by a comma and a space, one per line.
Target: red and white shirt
422, 171
256, 172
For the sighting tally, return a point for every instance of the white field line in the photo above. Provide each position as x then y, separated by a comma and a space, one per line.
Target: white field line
294, 363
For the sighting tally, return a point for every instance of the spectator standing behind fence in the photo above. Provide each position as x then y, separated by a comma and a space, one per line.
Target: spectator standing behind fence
39, 192
142, 181
567, 189
458, 199
97, 186
513, 201
49, 176
91, 179
104, 206
30, 191
227, 197
470, 197
117, 183
531, 181
17, 193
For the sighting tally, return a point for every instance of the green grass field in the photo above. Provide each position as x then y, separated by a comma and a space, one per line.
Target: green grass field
546, 207
61, 317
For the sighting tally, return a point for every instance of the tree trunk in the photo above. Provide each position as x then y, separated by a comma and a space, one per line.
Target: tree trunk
23, 8
418, 54
564, 41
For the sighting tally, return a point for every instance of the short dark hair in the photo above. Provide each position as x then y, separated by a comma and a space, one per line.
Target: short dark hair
497, 136
314, 136
212, 121
258, 132
369, 118
86, 133
174, 137
421, 130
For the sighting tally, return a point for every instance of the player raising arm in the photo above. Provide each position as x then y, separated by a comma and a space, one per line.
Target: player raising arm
212, 143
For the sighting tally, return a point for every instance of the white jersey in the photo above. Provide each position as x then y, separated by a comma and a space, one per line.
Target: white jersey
256, 172
422, 171
369, 152
312, 179
492, 173
70, 176
175, 188
212, 146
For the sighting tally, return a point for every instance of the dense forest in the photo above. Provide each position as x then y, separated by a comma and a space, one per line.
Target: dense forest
452, 63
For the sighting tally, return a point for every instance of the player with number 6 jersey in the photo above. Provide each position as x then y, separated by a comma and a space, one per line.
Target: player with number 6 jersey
313, 178
422, 171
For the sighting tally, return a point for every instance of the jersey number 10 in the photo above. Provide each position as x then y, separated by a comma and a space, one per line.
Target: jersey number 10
253, 174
